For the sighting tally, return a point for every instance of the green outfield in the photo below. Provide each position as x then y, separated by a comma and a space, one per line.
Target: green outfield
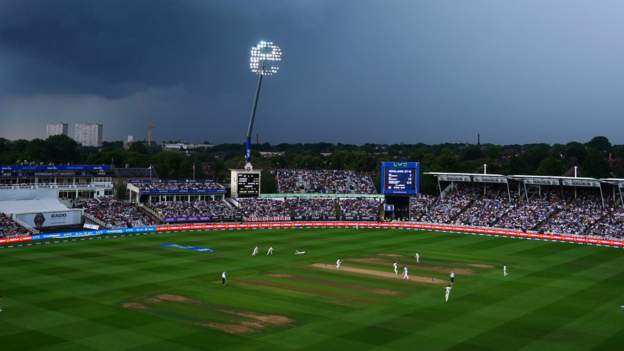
132, 293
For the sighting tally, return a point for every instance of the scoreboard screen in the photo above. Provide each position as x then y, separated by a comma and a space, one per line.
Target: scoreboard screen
400, 178
248, 184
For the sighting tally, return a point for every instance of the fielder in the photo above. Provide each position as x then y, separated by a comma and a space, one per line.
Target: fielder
255, 251
447, 293
270, 251
504, 271
452, 277
417, 256
297, 252
338, 263
405, 275
396, 268
223, 278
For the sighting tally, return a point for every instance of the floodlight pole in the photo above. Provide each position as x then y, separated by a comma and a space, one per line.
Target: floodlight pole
252, 119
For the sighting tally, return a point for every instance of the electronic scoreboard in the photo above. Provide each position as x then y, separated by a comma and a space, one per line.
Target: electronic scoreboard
400, 178
244, 183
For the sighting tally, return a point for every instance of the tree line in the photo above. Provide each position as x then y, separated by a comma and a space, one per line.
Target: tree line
596, 158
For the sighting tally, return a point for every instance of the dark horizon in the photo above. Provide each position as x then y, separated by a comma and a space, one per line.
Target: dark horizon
355, 72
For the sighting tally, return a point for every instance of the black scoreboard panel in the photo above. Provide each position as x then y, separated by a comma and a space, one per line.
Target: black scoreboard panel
248, 184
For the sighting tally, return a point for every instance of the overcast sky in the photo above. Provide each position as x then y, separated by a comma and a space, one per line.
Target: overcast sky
354, 71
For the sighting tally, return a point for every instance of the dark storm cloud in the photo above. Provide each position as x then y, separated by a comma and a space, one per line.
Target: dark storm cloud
353, 70
113, 48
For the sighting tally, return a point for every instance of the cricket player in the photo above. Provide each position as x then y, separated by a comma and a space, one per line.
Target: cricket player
452, 277
396, 268
223, 278
338, 263
297, 252
405, 275
447, 292
504, 271
270, 251
255, 251
417, 256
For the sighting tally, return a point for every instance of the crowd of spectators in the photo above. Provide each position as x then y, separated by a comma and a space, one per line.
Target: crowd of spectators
528, 215
576, 216
485, 209
9, 228
419, 204
447, 208
611, 225
360, 209
179, 211
255, 209
115, 213
562, 211
313, 208
323, 181
177, 186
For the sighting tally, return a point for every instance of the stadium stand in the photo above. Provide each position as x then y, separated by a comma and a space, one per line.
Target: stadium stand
72, 181
262, 210
419, 204
113, 213
10, 228
360, 209
194, 211
176, 186
576, 216
485, 210
447, 208
528, 215
313, 209
563, 205
323, 181
555, 210
611, 225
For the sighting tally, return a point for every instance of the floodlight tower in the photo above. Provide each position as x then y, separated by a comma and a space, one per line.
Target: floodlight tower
264, 60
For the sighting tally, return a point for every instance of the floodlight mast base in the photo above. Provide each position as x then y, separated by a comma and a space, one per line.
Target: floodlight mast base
252, 119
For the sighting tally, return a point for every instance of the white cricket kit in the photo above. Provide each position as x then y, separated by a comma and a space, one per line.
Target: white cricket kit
255, 251
338, 263
504, 271
297, 252
396, 268
417, 258
405, 275
447, 293
270, 251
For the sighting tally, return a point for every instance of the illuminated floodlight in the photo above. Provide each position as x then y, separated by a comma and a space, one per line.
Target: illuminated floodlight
265, 58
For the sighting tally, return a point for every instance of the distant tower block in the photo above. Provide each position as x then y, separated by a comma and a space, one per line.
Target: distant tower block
150, 129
